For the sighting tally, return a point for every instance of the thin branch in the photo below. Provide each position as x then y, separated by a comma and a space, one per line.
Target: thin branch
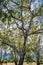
15, 17
30, 22
31, 17
12, 46
18, 26
23, 6
22, 17
34, 15
36, 32
11, 14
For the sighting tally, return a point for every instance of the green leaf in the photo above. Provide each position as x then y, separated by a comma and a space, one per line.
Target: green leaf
1, 1
5, 15
0, 13
7, 1
10, 11
3, 19
9, 20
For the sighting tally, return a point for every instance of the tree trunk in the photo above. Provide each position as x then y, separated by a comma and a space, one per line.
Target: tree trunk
38, 61
1, 57
23, 53
21, 59
38, 55
15, 63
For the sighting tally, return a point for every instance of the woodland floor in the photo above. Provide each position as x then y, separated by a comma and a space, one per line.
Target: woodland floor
23, 64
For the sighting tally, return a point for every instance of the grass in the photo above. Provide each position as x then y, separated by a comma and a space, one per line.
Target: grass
23, 64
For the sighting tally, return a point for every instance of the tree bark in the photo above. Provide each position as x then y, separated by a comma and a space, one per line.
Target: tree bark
38, 55
38, 61
1, 57
15, 63
22, 59
23, 52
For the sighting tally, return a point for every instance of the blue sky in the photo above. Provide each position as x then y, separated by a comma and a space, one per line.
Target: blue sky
39, 2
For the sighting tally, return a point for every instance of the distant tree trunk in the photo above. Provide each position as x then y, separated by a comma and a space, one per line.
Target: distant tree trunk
38, 55
1, 56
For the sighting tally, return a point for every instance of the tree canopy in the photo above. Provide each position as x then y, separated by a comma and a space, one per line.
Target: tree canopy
21, 21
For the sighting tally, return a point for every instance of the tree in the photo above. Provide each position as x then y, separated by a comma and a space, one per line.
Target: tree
1, 56
36, 46
21, 14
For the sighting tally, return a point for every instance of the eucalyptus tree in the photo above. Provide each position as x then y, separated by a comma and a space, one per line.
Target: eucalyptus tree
19, 16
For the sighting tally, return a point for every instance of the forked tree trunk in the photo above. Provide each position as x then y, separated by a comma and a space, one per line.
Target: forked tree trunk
21, 59
23, 53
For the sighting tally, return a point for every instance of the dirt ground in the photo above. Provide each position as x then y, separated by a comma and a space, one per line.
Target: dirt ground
23, 64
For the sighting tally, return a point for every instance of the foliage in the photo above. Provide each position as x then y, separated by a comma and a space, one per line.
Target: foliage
20, 26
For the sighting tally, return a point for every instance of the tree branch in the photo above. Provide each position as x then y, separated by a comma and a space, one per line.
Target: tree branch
11, 14
36, 32
12, 46
18, 26
23, 6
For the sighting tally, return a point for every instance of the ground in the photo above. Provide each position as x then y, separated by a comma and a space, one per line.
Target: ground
24, 64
